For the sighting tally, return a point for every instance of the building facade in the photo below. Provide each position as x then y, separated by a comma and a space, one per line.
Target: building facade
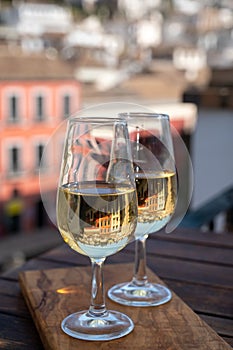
36, 95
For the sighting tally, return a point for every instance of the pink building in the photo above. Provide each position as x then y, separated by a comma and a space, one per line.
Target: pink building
36, 95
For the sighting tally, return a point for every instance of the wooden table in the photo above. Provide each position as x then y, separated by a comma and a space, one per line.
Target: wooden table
197, 266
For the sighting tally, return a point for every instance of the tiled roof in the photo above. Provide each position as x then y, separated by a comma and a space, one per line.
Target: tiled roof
13, 66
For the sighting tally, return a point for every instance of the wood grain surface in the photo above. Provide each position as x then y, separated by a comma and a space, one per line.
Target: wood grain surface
53, 294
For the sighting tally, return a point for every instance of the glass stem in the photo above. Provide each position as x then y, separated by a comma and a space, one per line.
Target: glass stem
140, 277
97, 307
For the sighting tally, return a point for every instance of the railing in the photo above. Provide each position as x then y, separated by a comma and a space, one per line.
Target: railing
204, 216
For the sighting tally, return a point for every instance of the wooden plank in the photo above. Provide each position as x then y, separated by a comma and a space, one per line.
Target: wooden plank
64, 254
13, 306
67, 256
9, 288
182, 244
170, 326
30, 244
165, 267
196, 236
188, 251
228, 340
14, 334
32, 265
220, 325
192, 271
204, 298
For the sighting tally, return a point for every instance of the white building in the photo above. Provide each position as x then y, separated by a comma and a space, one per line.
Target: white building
43, 18
139, 9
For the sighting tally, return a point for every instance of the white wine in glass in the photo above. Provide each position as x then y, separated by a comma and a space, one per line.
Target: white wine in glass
97, 213
156, 183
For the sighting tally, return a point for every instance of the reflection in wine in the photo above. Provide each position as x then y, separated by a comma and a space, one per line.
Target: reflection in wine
156, 200
96, 218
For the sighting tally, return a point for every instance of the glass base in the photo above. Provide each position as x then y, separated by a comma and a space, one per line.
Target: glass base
152, 294
111, 325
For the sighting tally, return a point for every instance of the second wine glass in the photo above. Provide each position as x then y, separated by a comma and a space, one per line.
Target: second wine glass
156, 183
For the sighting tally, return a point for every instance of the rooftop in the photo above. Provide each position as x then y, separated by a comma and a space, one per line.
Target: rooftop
16, 65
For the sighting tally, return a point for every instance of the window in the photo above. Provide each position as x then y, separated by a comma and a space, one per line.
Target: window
13, 107
40, 161
40, 107
14, 159
66, 106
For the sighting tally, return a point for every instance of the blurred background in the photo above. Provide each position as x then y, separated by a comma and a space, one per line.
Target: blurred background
58, 57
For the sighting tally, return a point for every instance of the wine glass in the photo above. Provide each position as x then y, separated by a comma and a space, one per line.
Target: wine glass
156, 183
97, 213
